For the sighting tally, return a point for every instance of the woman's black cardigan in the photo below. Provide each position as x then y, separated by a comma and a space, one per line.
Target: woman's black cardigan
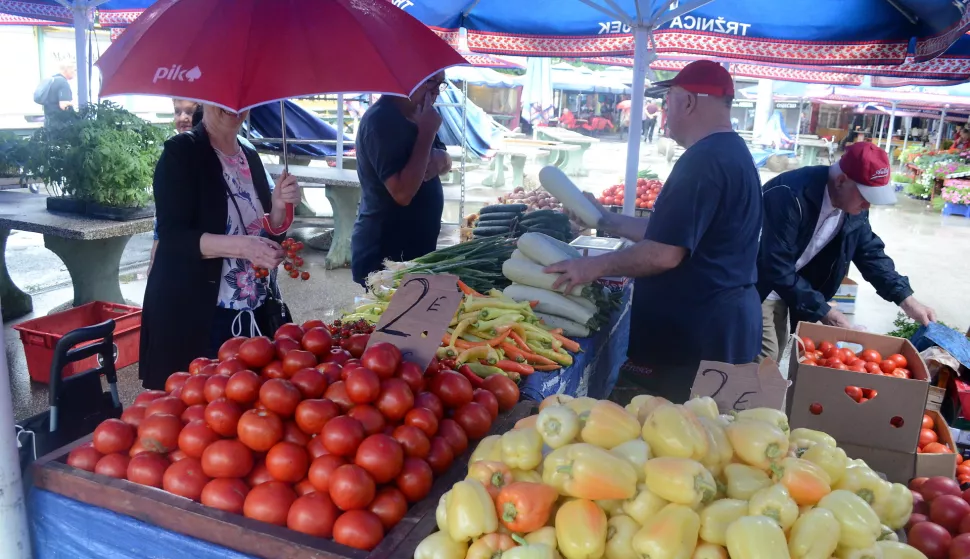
180, 299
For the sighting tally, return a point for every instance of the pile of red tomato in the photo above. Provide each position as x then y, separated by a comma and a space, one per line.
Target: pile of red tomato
298, 432
940, 524
929, 443
647, 192
827, 354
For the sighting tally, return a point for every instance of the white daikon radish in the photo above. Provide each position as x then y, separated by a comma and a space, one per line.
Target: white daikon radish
531, 274
549, 302
559, 185
570, 329
545, 250
584, 302
519, 255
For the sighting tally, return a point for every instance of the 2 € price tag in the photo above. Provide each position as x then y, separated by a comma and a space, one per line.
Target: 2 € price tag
418, 316
741, 387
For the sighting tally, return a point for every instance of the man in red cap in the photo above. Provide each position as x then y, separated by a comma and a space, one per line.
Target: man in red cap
816, 223
695, 261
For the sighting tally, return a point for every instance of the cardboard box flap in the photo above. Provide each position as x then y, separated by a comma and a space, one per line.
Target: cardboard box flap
741, 387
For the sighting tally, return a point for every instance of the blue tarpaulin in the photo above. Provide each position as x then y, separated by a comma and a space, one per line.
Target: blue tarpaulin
301, 124
595, 369
480, 129
955, 343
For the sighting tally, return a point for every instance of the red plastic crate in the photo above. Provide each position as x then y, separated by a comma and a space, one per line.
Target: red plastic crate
41, 335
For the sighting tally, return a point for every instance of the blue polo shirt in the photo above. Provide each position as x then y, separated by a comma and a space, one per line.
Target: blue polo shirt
385, 229
707, 308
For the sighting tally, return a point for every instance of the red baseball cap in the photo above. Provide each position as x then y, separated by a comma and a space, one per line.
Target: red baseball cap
868, 167
704, 77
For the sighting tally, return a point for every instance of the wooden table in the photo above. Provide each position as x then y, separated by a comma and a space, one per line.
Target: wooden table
90, 248
573, 164
342, 188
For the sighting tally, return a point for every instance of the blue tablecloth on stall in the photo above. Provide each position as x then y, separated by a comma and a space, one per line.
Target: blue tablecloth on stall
63, 528
595, 369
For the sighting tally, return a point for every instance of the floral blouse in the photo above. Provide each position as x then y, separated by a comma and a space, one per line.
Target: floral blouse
239, 289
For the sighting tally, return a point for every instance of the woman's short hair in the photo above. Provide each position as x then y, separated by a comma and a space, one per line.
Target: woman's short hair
197, 115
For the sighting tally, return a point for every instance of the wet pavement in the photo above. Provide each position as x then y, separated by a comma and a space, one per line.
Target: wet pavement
927, 247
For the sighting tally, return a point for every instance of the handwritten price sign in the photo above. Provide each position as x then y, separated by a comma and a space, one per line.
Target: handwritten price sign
741, 387
418, 316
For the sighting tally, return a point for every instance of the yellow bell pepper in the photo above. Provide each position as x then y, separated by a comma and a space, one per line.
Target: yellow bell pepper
756, 537
743, 481
489, 448
775, 503
859, 524
493, 475
645, 504
812, 435
522, 449
871, 552
545, 535
887, 534
832, 459
489, 546
470, 511
815, 535
589, 472
531, 476
669, 534
612, 507
634, 406
703, 406
720, 452
799, 447
674, 431
646, 406
581, 529
768, 415
896, 550
717, 516
636, 452
706, 550
680, 480
580, 405
619, 537
757, 443
531, 551
608, 425
865, 483
554, 400
558, 426
441, 512
895, 506
805, 482
440, 546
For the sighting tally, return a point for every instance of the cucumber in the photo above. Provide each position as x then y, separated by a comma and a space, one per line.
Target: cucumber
503, 208
503, 224
541, 213
499, 216
546, 222
556, 218
490, 231
557, 234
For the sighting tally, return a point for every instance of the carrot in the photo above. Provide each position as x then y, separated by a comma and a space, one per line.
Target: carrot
460, 343
518, 340
525, 355
512, 352
533, 304
521, 368
547, 367
570, 345
555, 331
468, 290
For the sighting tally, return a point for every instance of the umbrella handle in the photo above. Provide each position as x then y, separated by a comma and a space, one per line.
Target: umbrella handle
284, 226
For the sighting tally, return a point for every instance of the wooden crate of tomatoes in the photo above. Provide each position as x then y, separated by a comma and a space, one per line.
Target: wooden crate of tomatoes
289, 447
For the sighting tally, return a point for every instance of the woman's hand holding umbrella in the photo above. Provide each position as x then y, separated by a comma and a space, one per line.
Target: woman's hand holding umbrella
285, 196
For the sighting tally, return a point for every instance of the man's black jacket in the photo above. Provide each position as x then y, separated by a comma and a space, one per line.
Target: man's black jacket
792, 204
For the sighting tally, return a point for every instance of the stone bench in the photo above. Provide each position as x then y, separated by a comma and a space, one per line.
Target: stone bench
90, 249
573, 160
517, 157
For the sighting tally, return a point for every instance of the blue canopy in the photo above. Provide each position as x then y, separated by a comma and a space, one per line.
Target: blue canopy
301, 124
812, 32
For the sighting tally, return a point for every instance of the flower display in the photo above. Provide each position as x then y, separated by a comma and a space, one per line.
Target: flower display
957, 193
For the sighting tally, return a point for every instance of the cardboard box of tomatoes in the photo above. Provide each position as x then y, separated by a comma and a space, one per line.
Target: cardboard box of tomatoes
881, 424
935, 454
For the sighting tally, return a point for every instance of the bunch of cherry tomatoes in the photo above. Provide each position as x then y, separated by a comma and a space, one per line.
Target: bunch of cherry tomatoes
292, 262
827, 354
298, 432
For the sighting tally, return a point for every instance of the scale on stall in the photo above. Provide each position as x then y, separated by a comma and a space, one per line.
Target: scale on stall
595, 246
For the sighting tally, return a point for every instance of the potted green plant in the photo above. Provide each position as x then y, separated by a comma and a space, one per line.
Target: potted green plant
98, 161
13, 157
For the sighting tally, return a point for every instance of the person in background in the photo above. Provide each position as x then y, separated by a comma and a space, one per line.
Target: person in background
55, 93
816, 222
211, 194
188, 114
963, 140
651, 113
399, 160
695, 261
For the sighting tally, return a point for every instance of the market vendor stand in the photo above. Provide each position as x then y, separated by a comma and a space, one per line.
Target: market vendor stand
90, 248
118, 518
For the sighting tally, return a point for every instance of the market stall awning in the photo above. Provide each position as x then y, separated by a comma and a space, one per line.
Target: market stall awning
110, 13
574, 78
483, 76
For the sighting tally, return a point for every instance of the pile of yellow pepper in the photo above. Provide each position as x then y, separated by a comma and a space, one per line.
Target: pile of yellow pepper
585, 479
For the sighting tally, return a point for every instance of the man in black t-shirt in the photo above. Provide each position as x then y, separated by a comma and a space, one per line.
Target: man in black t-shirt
59, 96
399, 160
696, 260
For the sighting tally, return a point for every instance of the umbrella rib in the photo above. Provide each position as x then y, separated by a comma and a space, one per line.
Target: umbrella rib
686, 7
617, 14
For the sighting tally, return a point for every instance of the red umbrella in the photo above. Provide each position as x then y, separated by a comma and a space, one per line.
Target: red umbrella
238, 54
